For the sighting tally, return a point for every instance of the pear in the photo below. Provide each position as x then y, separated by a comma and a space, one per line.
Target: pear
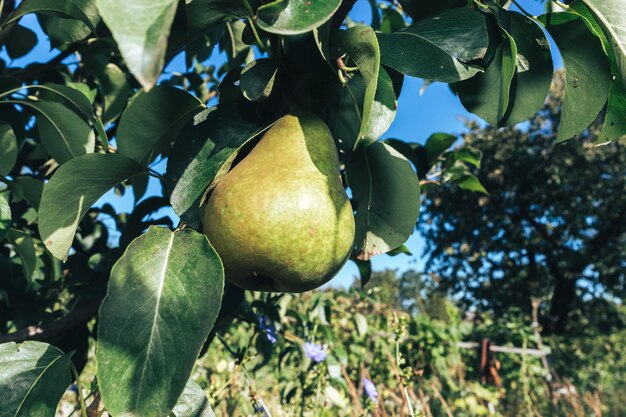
280, 219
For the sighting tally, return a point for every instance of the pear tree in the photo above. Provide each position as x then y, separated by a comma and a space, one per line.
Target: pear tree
268, 151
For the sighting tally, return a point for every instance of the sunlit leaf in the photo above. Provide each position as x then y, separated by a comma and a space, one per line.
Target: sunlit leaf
72, 190
163, 298
33, 377
141, 29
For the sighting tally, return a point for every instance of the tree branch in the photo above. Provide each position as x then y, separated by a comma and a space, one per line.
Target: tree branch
53, 329
38, 70
341, 13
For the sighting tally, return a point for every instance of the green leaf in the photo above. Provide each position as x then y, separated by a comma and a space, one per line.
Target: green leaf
392, 20
361, 45
587, 72
115, 89
387, 194
438, 48
383, 108
33, 377
199, 154
257, 79
291, 17
471, 183
419, 9
5, 215
612, 15
29, 188
516, 83
487, 94
63, 133
75, 100
8, 148
152, 120
193, 402
163, 298
141, 29
436, 145
615, 119
361, 324
72, 190
21, 41
49, 7
400, 250
71, 97
365, 270
25, 248
201, 14
467, 154
61, 30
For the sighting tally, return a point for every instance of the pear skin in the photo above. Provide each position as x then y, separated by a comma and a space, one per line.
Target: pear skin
280, 219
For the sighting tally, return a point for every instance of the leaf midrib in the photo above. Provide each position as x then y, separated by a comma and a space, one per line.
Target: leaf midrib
17, 412
154, 319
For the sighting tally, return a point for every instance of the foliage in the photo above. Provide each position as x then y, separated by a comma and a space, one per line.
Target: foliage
333, 353
71, 129
551, 226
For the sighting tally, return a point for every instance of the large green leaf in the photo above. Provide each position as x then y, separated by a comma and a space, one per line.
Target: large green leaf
163, 298
115, 91
360, 43
152, 120
63, 133
199, 154
383, 108
203, 13
291, 17
387, 193
488, 95
5, 215
29, 188
8, 148
257, 79
51, 7
438, 48
141, 29
21, 42
509, 92
74, 100
615, 119
193, 402
61, 30
33, 377
612, 14
587, 71
25, 248
436, 145
72, 190
534, 70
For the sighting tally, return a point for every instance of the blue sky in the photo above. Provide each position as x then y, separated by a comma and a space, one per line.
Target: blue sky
437, 109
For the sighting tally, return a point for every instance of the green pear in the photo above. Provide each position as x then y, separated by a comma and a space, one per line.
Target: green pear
280, 219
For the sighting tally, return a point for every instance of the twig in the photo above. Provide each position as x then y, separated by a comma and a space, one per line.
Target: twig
53, 329
523, 10
96, 408
341, 13
42, 69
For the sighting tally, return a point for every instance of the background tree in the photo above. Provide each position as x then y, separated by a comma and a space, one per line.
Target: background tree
551, 226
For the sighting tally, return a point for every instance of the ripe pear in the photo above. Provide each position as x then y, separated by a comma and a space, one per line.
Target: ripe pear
280, 219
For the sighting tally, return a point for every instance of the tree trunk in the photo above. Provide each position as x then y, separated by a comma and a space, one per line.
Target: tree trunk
562, 301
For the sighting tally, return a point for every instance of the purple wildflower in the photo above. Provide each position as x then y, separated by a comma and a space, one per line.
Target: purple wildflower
265, 326
315, 352
370, 390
